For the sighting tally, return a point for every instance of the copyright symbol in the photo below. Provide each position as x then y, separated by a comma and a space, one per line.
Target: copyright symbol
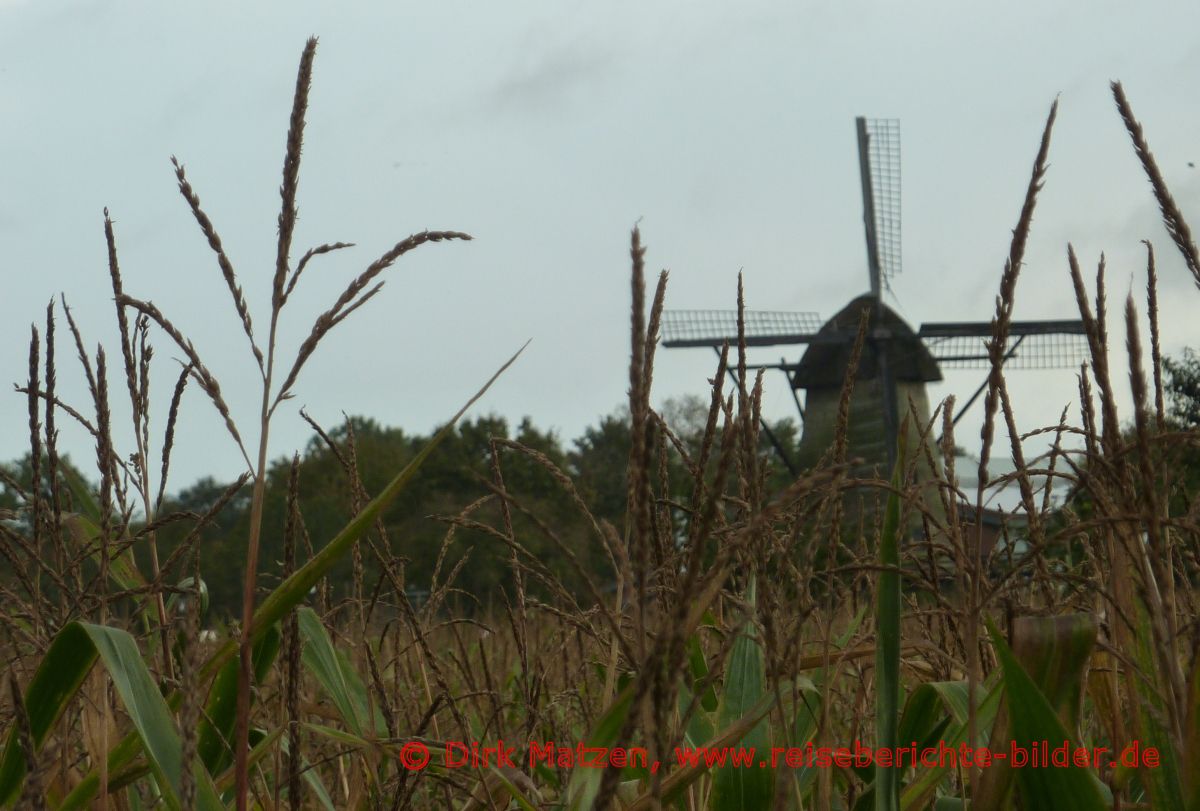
414, 756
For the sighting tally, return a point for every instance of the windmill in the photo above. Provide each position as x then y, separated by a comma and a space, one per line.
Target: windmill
897, 362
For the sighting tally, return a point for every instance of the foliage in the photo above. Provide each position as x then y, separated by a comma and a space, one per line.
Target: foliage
456, 476
1183, 387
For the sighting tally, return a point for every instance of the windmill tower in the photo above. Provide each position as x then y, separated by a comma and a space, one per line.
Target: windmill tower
897, 362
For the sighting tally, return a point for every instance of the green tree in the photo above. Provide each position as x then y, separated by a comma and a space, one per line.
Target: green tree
1182, 388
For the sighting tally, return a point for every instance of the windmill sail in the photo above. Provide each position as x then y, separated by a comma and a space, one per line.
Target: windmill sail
1030, 345
691, 328
1050, 344
879, 168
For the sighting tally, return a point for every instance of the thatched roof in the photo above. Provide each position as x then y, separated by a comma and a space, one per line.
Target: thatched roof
824, 364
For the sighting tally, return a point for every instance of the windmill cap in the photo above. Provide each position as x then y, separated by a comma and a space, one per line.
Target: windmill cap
824, 363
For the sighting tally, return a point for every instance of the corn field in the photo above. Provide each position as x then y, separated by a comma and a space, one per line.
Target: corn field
836, 612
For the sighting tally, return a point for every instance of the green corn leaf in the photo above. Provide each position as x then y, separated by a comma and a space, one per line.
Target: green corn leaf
318, 788
523, 802
949, 804
1055, 652
63, 669
494, 790
1164, 783
335, 674
930, 709
220, 713
806, 718
312, 778
807, 774
745, 686
390, 751
679, 779
262, 743
1033, 719
584, 784
843, 639
920, 790
59, 675
131, 775
698, 666
350, 739
699, 727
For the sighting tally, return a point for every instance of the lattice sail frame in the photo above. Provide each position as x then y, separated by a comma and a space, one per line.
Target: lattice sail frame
682, 328
883, 152
961, 345
1030, 344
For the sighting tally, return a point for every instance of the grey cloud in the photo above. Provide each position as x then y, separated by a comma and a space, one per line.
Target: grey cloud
544, 80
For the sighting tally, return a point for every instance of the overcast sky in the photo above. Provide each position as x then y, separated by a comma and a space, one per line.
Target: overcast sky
546, 130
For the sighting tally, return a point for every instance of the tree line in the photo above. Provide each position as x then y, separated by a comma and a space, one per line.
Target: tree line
546, 521
546, 517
